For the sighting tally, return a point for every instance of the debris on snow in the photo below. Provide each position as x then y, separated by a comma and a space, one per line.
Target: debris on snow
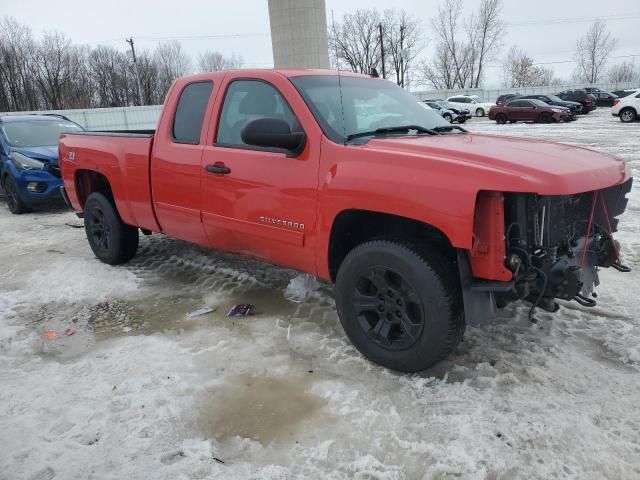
301, 287
200, 311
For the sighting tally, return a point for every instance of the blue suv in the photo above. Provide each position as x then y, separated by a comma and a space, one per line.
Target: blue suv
29, 168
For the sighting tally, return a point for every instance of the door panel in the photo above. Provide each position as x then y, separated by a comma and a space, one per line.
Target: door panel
265, 206
175, 174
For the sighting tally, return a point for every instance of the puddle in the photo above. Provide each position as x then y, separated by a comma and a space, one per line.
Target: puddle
265, 409
267, 301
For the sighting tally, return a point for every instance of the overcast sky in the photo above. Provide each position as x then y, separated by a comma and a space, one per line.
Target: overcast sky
546, 29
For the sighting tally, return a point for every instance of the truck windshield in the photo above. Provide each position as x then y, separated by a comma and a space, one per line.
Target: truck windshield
362, 105
38, 133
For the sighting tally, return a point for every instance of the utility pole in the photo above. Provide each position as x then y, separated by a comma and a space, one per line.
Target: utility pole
135, 67
384, 75
402, 54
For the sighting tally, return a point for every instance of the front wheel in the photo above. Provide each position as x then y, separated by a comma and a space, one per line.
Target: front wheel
14, 201
401, 308
111, 240
501, 118
545, 118
480, 112
447, 117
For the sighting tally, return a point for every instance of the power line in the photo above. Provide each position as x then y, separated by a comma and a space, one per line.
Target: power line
564, 21
187, 37
557, 62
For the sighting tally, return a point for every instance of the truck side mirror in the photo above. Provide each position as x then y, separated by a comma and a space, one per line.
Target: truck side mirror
273, 133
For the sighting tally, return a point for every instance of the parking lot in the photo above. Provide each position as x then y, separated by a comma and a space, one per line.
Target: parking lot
102, 374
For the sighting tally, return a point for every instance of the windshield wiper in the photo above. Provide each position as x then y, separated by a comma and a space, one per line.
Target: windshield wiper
448, 128
399, 129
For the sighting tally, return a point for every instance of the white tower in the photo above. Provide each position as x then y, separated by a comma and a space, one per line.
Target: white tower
299, 33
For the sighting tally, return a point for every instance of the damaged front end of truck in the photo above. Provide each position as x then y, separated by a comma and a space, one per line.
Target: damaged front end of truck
540, 248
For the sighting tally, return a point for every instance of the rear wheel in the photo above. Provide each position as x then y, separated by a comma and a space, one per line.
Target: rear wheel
501, 118
111, 240
545, 118
479, 112
627, 115
14, 201
447, 117
401, 308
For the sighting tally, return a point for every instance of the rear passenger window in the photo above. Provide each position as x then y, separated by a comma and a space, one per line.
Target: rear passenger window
192, 106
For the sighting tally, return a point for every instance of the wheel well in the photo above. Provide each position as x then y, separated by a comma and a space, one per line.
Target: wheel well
354, 227
89, 181
628, 108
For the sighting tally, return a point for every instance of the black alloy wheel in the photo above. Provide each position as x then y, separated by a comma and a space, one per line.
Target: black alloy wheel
111, 240
99, 230
388, 308
400, 304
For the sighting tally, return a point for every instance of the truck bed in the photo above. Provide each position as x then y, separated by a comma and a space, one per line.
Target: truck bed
121, 156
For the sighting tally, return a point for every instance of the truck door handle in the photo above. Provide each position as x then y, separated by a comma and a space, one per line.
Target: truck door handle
219, 168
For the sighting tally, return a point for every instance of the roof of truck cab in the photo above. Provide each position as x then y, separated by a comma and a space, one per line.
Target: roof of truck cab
286, 72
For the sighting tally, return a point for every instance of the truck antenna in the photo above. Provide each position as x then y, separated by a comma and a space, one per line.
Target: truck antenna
335, 45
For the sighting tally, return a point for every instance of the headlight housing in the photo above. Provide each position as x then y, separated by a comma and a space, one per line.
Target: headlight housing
26, 163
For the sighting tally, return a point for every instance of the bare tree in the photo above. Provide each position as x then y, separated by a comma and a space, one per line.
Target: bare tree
623, 72
109, 72
149, 82
464, 46
212, 61
402, 43
441, 71
18, 90
446, 26
355, 43
52, 66
172, 62
485, 31
520, 71
592, 52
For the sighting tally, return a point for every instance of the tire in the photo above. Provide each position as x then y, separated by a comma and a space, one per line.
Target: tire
628, 115
111, 240
447, 117
501, 118
479, 112
545, 118
384, 286
462, 121
12, 194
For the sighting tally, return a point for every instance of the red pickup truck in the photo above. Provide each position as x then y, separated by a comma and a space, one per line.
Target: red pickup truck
420, 224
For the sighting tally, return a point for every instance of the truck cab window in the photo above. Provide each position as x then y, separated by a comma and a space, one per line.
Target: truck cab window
247, 100
190, 111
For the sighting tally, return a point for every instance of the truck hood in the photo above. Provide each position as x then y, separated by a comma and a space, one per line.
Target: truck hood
508, 163
48, 153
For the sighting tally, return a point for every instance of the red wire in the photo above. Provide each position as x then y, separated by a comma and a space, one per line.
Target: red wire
586, 238
606, 216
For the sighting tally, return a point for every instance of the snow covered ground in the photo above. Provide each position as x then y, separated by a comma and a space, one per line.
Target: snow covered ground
140, 391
